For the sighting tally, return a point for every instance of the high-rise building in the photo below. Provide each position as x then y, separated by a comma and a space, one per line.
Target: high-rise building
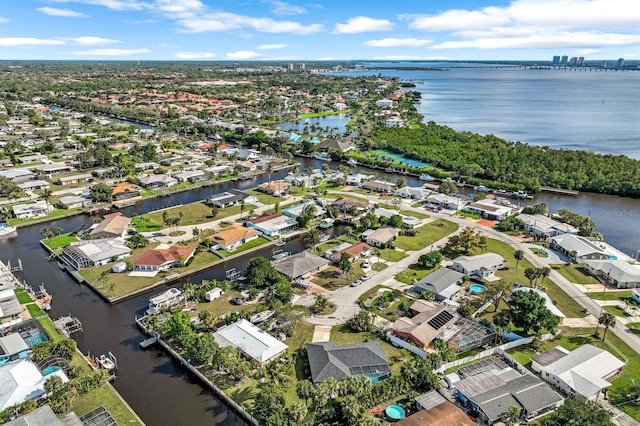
556, 60
620, 63
580, 61
564, 59
573, 61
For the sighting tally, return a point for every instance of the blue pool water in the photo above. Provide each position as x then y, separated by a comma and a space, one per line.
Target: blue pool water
35, 338
477, 288
400, 158
395, 412
50, 370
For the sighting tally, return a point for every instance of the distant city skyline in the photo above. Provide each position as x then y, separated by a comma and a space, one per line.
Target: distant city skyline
319, 30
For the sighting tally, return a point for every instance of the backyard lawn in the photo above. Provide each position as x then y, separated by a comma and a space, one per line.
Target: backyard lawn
576, 274
623, 295
414, 274
59, 241
246, 246
193, 214
426, 235
332, 277
392, 255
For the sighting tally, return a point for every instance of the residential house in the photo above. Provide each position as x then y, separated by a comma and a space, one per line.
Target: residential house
379, 186
412, 193
17, 175
32, 185
125, 191
217, 170
173, 160
354, 251
346, 205
157, 181
301, 265
231, 198
9, 304
330, 360
447, 202
273, 225
276, 188
491, 209
358, 179
394, 121
295, 211
192, 176
442, 282
156, 260
246, 166
407, 221
12, 348
21, 381
586, 370
54, 169
74, 201
44, 416
435, 410
309, 180
380, 237
615, 272
579, 249
86, 254
338, 145
482, 265
29, 211
254, 343
149, 165
233, 236
112, 227
384, 103
37, 158
539, 224
75, 179
491, 387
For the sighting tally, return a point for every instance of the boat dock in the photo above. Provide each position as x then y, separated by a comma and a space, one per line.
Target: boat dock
559, 191
149, 342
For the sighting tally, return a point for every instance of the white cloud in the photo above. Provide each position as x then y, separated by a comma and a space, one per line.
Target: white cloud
244, 54
111, 4
3, 20
195, 55
544, 41
282, 8
456, 19
363, 24
91, 41
110, 52
68, 13
398, 42
28, 41
271, 46
587, 52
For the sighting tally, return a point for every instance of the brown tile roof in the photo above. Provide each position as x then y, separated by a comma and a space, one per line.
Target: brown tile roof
445, 414
157, 257
266, 217
233, 233
277, 185
355, 249
113, 225
124, 187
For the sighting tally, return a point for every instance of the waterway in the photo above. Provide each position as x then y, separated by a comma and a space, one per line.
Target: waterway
154, 385
337, 122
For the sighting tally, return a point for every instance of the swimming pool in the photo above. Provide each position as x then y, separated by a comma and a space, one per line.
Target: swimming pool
395, 412
476, 288
50, 370
33, 337
400, 158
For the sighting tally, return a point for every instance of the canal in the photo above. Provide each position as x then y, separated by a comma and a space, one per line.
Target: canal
151, 382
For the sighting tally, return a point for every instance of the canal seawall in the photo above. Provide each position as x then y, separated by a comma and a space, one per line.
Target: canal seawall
237, 408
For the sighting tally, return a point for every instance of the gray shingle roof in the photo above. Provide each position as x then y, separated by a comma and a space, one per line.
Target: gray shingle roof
439, 280
328, 359
300, 264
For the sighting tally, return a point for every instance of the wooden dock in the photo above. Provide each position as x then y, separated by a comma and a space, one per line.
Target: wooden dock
559, 191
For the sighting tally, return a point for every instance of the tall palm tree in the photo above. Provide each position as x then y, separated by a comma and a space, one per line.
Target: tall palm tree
518, 255
313, 237
607, 320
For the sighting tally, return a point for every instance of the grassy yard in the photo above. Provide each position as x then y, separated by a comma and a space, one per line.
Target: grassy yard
574, 338
55, 214
263, 198
223, 305
615, 310
117, 285
59, 241
417, 215
377, 267
426, 235
623, 295
634, 327
392, 255
413, 274
246, 246
34, 310
576, 274
539, 252
22, 296
321, 248
193, 214
332, 277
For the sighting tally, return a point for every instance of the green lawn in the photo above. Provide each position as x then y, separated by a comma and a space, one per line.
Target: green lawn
413, 274
51, 329
573, 338
263, 198
332, 278
55, 214
576, 273
610, 295
426, 235
377, 267
34, 310
615, 310
246, 246
22, 296
59, 241
193, 214
417, 215
392, 255
634, 327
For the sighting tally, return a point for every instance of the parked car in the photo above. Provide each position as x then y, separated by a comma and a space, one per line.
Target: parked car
237, 301
366, 277
356, 283
366, 263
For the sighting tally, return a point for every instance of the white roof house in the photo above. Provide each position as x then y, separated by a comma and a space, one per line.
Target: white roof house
412, 193
483, 265
28, 211
445, 201
540, 224
17, 175
84, 254
249, 339
409, 221
618, 272
381, 236
21, 380
584, 248
492, 209
585, 370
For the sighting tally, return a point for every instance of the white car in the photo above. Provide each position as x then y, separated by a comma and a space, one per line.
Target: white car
366, 264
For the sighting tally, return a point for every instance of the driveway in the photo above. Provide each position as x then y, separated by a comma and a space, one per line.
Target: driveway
552, 256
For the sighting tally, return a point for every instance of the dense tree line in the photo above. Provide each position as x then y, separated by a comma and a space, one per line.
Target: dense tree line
496, 160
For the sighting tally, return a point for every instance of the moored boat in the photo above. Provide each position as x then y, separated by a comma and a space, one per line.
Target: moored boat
352, 162
326, 223
322, 157
7, 231
425, 177
164, 300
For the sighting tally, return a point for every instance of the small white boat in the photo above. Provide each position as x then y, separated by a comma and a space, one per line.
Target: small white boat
326, 223
261, 317
425, 177
7, 231
279, 254
481, 188
164, 300
352, 162
520, 194
105, 362
322, 157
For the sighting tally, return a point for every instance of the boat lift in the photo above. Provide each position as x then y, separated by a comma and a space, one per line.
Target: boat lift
68, 325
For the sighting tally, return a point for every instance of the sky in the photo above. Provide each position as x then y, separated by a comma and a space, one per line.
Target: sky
240, 30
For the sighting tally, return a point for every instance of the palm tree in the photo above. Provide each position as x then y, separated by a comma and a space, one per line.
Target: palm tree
607, 320
103, 278
313, 237
348, 232
544, 273
518, 255
513, 414
378, 252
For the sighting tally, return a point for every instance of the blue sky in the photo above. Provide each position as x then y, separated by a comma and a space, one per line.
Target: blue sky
318, 29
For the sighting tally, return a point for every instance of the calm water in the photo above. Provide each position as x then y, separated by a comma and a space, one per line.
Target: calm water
338, 121
595, 111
